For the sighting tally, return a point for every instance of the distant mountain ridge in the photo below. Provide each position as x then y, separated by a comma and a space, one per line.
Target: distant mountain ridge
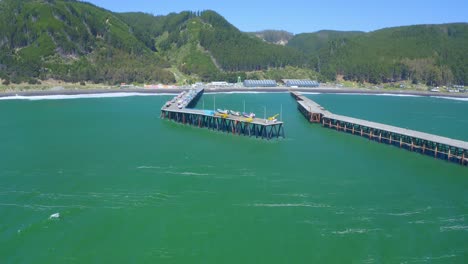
76, 41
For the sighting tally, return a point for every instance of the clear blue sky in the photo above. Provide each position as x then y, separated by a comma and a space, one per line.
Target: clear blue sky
298, 16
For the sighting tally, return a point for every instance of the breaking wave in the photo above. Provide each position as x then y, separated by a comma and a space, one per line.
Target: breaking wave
452, 98
244, 92
310, 93
78, 96
399, 95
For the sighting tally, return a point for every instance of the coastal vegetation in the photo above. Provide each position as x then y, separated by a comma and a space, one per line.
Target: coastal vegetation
429, 54
78, 42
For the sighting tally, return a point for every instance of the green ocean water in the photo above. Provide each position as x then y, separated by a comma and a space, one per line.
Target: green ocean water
132, 188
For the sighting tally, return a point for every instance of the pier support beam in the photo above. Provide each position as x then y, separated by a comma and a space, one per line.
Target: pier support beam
431, 145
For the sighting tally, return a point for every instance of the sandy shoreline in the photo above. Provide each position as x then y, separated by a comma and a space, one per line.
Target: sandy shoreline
230, 90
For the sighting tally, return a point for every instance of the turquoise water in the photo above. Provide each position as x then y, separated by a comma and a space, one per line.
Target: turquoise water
131, 187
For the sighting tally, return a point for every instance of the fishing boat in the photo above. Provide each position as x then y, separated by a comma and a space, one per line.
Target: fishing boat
234, 113
222, 111
248, 115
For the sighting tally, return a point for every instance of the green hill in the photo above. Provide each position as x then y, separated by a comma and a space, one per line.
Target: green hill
431, 54
204, 44
72, 41
311, 43
77, 41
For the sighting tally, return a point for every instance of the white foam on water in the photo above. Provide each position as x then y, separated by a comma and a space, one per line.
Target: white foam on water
419, 222
310, 93
300, 195
44, 207
79, 96
187, 173
408, 213
244, 92
291, 205
451, 220
54, 216
354, 94
381, 94
193, 174
404, 213
454, 228
399, 95
148, 167
350, 231
431, 258
464, 99
369, 260
354, 231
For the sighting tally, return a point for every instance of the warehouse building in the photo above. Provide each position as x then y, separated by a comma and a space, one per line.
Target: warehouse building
300, 83
260, 83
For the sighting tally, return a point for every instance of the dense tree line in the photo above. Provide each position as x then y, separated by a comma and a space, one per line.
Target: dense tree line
236, 51
72, 41
429, 54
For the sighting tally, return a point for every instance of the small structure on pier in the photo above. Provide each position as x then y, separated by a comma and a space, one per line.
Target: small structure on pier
436, 146
228, 123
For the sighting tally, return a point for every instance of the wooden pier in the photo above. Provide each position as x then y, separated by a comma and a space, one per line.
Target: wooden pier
438, 147
236, 125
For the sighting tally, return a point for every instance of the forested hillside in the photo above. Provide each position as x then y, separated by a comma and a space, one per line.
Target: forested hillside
205, 44
77, 41
72, 41
430, 54
312, 43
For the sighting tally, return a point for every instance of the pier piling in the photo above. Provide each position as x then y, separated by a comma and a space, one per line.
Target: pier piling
444, 148
235, 125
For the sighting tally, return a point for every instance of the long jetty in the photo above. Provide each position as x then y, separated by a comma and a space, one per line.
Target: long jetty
227, 123
438, 147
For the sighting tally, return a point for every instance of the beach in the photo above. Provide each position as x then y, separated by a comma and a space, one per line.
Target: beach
325, 90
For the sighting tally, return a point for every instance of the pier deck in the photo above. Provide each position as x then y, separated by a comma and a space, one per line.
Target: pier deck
237, 125
437, 146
